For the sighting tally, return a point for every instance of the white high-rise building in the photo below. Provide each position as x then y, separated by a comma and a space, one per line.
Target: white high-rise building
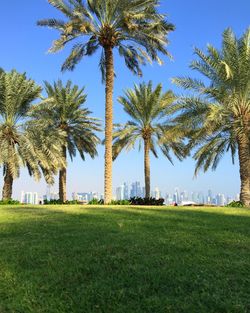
120, 193
220, 199
176, 195
157, 193
29, 197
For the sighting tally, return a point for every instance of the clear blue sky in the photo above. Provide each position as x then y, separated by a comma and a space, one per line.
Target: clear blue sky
24, 46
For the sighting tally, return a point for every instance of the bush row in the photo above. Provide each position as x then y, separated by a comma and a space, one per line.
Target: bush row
132, 201
9, 201
60, 202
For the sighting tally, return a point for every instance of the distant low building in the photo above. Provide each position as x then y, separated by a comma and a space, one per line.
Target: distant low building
85, 196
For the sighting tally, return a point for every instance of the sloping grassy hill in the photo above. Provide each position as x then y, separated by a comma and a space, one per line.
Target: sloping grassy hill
124, 260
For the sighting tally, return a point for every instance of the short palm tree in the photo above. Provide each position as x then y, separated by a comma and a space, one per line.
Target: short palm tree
134, 27
20, 143
150, 112
63, 110
218, 116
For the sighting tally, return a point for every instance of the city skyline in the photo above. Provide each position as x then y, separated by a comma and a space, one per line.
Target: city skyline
125, 191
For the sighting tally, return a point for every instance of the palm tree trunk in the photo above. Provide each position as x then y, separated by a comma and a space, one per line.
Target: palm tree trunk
147, 167
109, 64
62, 179
244, 160
8, 183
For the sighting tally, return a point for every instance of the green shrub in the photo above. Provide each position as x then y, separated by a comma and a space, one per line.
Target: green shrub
113, 202
146, 201
132, 201
9, 201
96, 202
120, 202
68, 202
235, 204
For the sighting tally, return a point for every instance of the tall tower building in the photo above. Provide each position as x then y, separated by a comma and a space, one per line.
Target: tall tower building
125, 191
157, 193
135, 190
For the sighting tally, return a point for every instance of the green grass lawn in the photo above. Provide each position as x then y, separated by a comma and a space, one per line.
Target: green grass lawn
124, 260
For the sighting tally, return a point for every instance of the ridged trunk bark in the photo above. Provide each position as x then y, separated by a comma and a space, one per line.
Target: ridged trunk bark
147, 167
63, 179
109, 64
8, 183
244, 161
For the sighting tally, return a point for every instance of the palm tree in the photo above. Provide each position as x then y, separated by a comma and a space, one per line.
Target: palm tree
218, 116
21, 144
134, 27
150, 112
63, 110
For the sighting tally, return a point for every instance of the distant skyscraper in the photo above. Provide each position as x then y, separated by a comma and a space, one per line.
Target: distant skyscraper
183, 196
120, 193
126, 191
176, 196
157, 193
201, 198
168, 198
143, 192
48, 193
35, 198
220, 199
135, 190
29, 197
195, 197
209, 199
229, 199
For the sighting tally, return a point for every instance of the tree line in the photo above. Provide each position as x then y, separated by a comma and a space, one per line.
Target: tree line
214, 119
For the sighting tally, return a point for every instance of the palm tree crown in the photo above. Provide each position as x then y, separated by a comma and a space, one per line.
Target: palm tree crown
150, 112
63, 110
134, 27
218, 116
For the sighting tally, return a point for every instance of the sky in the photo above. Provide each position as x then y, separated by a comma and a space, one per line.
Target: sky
24, 47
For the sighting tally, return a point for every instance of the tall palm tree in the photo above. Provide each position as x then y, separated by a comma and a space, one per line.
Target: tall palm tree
151, 112
63, 110
218, 116
21, 144
134, 27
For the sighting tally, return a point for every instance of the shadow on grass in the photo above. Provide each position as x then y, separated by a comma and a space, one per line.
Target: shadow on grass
123, 260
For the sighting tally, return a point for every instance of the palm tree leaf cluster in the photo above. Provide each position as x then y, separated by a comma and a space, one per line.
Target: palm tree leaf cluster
135, 28
220, 111
149, 111
63, 110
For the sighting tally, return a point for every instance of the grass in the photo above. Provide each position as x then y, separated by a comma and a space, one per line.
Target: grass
122, 259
